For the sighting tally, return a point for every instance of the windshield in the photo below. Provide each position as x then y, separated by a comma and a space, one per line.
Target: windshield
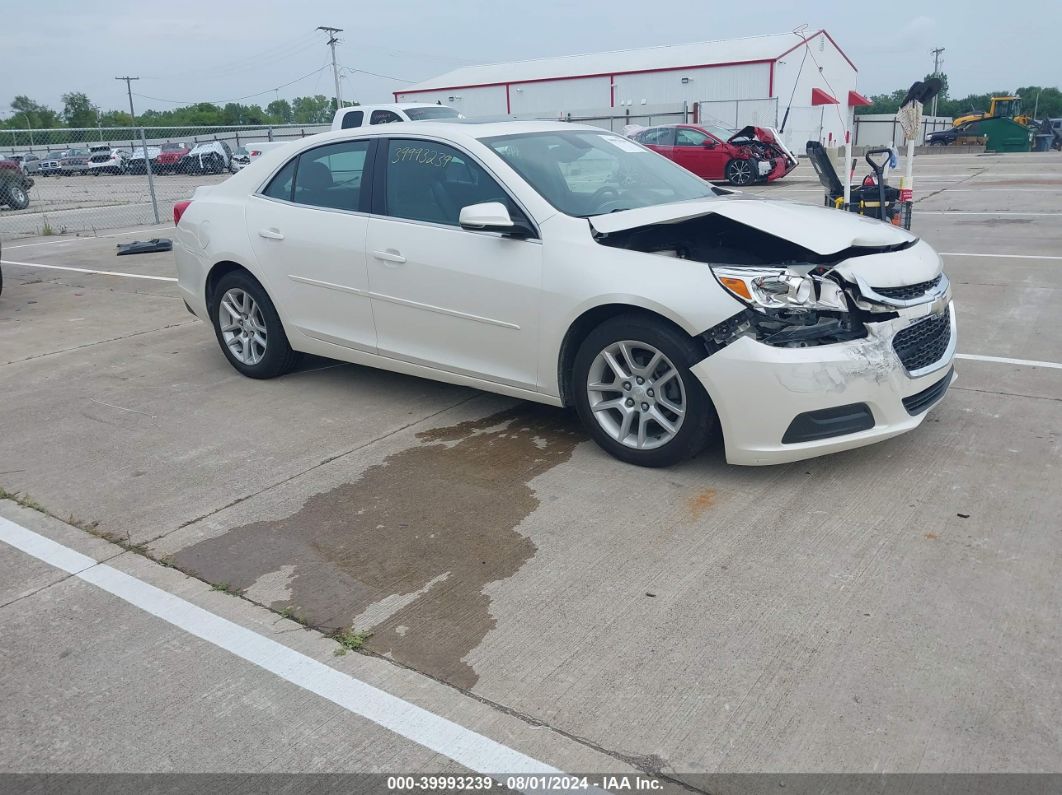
585, 173
434, 112
722, 133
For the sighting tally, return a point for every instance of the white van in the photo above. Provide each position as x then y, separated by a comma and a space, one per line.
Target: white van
364, 115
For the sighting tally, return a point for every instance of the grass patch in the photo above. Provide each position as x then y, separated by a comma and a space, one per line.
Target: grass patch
349, 640
224, 587
47, 230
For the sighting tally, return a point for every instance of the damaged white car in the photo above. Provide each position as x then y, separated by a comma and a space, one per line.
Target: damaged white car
571, 266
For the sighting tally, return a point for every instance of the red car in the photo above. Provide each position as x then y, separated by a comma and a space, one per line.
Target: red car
752, 154
170, 156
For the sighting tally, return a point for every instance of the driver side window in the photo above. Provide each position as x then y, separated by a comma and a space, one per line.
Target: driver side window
687, 137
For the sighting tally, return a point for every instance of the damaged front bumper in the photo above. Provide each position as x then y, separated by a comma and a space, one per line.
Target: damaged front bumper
781, 404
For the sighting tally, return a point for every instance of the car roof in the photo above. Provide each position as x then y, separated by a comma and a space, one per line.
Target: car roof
456, 129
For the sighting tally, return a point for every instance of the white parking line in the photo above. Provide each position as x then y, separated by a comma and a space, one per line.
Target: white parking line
89, 270
462, 745
997, 256
993, 212
1004, 360
82, 239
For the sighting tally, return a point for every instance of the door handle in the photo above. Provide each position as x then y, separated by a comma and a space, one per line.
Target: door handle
271, 234
390, 255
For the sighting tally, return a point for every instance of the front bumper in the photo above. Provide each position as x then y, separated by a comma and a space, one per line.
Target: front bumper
759, 390
781, 166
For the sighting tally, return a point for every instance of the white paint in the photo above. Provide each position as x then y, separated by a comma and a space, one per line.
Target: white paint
82, 239
995, 212
462, 745
1004, 360
997, 256
89, 270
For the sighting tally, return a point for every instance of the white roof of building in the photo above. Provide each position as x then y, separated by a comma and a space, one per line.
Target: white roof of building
704, 53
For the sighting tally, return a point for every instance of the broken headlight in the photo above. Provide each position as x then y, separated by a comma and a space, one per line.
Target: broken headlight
781, 289
790, 308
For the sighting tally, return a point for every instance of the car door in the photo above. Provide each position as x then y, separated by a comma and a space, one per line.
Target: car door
462, 301
659, 139
700, 153
307, 228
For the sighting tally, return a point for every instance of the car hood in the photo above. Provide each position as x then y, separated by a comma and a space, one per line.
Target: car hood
824, 231
759, 133
866, 247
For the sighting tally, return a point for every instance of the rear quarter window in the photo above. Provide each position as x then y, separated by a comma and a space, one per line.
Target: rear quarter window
352, 118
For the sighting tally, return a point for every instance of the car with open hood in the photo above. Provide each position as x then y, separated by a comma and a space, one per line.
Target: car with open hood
137, 163
743, 157
572, 266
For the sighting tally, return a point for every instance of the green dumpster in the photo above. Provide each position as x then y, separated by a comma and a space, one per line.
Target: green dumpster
1002, 134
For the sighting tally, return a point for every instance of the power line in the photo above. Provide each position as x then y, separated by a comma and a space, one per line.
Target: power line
237, 99
276, 52
352, 70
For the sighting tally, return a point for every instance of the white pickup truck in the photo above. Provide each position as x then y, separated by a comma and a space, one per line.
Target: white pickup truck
364, 115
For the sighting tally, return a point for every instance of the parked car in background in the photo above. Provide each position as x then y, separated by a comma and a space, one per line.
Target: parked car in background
75, 161
107, 160
51, 164
14, 185
136, 160
31, 162
169, 158
365, 115
750, 155
209, 157
656, 305
246, 155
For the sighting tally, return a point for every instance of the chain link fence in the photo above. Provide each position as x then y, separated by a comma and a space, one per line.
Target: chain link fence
84, 180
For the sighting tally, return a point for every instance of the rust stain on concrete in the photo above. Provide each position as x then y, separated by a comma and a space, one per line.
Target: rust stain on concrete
438, 519
701, 502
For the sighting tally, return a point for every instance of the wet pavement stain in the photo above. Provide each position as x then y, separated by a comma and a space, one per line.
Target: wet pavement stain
434, 523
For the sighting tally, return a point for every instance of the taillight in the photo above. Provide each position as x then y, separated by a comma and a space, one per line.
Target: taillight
178, 210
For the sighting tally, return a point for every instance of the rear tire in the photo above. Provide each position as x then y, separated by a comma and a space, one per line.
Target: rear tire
248, 328
16, 197
671, 417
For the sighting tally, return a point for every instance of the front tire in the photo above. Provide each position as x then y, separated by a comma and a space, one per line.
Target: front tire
739, 173
636, 395
248, 328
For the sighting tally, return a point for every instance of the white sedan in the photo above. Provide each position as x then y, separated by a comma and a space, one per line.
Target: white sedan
568, 265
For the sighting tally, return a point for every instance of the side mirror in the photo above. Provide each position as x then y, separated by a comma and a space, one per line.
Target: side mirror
491, 217
709, 144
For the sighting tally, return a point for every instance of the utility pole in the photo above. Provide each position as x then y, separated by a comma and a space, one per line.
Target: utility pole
143, 140
332, 42
936, 73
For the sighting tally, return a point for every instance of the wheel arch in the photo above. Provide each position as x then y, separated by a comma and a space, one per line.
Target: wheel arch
585, 323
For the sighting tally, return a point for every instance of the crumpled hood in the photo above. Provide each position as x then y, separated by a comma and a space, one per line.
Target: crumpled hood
759, 133
818, 229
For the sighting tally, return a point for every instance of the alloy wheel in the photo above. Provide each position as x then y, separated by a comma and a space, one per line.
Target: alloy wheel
740, 172
636, 395
242, 326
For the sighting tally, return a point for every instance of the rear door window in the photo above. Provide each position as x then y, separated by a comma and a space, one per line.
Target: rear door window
384, 117
352, 118
331, 176
280, 186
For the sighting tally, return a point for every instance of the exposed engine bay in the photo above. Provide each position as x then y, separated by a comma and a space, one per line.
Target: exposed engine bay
761, 145
794, 297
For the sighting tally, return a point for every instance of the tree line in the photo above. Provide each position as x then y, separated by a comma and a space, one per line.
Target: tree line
79, 112
1049, 105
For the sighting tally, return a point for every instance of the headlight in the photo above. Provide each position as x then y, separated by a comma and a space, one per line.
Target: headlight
781, 288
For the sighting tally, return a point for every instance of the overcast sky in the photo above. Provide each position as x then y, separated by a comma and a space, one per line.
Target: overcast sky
191, 50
